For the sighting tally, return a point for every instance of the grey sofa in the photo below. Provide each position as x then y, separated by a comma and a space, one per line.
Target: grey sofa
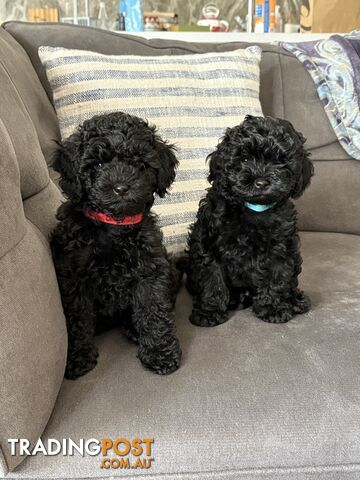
251, 400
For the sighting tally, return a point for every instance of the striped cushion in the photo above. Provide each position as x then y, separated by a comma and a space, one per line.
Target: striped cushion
191, 99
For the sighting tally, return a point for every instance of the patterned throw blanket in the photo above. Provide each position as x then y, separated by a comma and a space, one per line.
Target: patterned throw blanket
334, 65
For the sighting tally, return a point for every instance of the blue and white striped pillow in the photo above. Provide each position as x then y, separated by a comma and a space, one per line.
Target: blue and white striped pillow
192, 99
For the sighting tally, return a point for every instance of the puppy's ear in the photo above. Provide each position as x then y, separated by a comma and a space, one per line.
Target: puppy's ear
166, 166
305, 168
216, 164
66, 162
219, 158
306, 171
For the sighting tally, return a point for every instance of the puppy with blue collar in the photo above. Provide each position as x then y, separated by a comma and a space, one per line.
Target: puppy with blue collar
244, 247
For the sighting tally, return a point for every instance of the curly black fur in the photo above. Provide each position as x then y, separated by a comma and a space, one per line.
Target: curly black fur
111, 275
238, 257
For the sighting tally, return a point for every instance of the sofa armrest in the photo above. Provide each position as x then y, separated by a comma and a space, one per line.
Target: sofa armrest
33, 339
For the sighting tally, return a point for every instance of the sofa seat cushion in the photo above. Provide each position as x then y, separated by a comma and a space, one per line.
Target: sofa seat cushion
251, 401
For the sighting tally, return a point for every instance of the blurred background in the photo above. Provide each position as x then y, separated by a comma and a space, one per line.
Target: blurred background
290, 16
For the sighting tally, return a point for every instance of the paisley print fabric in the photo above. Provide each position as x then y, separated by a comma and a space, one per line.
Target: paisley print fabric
334, 65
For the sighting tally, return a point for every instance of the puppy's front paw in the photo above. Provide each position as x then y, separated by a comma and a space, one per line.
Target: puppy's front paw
162, 360
203, 318
281, 314
80, 364
301, 302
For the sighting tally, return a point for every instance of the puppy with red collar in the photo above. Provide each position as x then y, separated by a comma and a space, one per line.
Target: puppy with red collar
108, 252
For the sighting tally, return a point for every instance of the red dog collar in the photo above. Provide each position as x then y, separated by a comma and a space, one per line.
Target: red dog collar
102, 217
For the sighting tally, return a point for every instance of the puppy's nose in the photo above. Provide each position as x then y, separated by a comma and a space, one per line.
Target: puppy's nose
120, 189
261, 183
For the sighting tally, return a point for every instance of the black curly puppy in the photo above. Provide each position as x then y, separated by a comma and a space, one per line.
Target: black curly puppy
244, 247
109, 256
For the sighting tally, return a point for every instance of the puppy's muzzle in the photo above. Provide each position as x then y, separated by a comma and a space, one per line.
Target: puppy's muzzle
261, 183
120, 189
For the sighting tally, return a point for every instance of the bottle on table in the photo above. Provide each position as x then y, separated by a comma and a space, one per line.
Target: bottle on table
102, 19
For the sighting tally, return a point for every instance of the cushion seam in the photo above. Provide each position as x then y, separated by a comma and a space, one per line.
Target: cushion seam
350, 467
332, 159
147, 42
39, 191
15, 245
329, 231
328, 144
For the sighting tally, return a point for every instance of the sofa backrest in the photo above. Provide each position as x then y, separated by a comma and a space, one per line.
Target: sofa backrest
286, 91
32, 325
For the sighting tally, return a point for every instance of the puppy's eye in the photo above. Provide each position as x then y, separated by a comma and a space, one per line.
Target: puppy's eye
245, 160
142, 166
99, 165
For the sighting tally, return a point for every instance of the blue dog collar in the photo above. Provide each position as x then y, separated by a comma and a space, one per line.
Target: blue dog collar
257, 207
